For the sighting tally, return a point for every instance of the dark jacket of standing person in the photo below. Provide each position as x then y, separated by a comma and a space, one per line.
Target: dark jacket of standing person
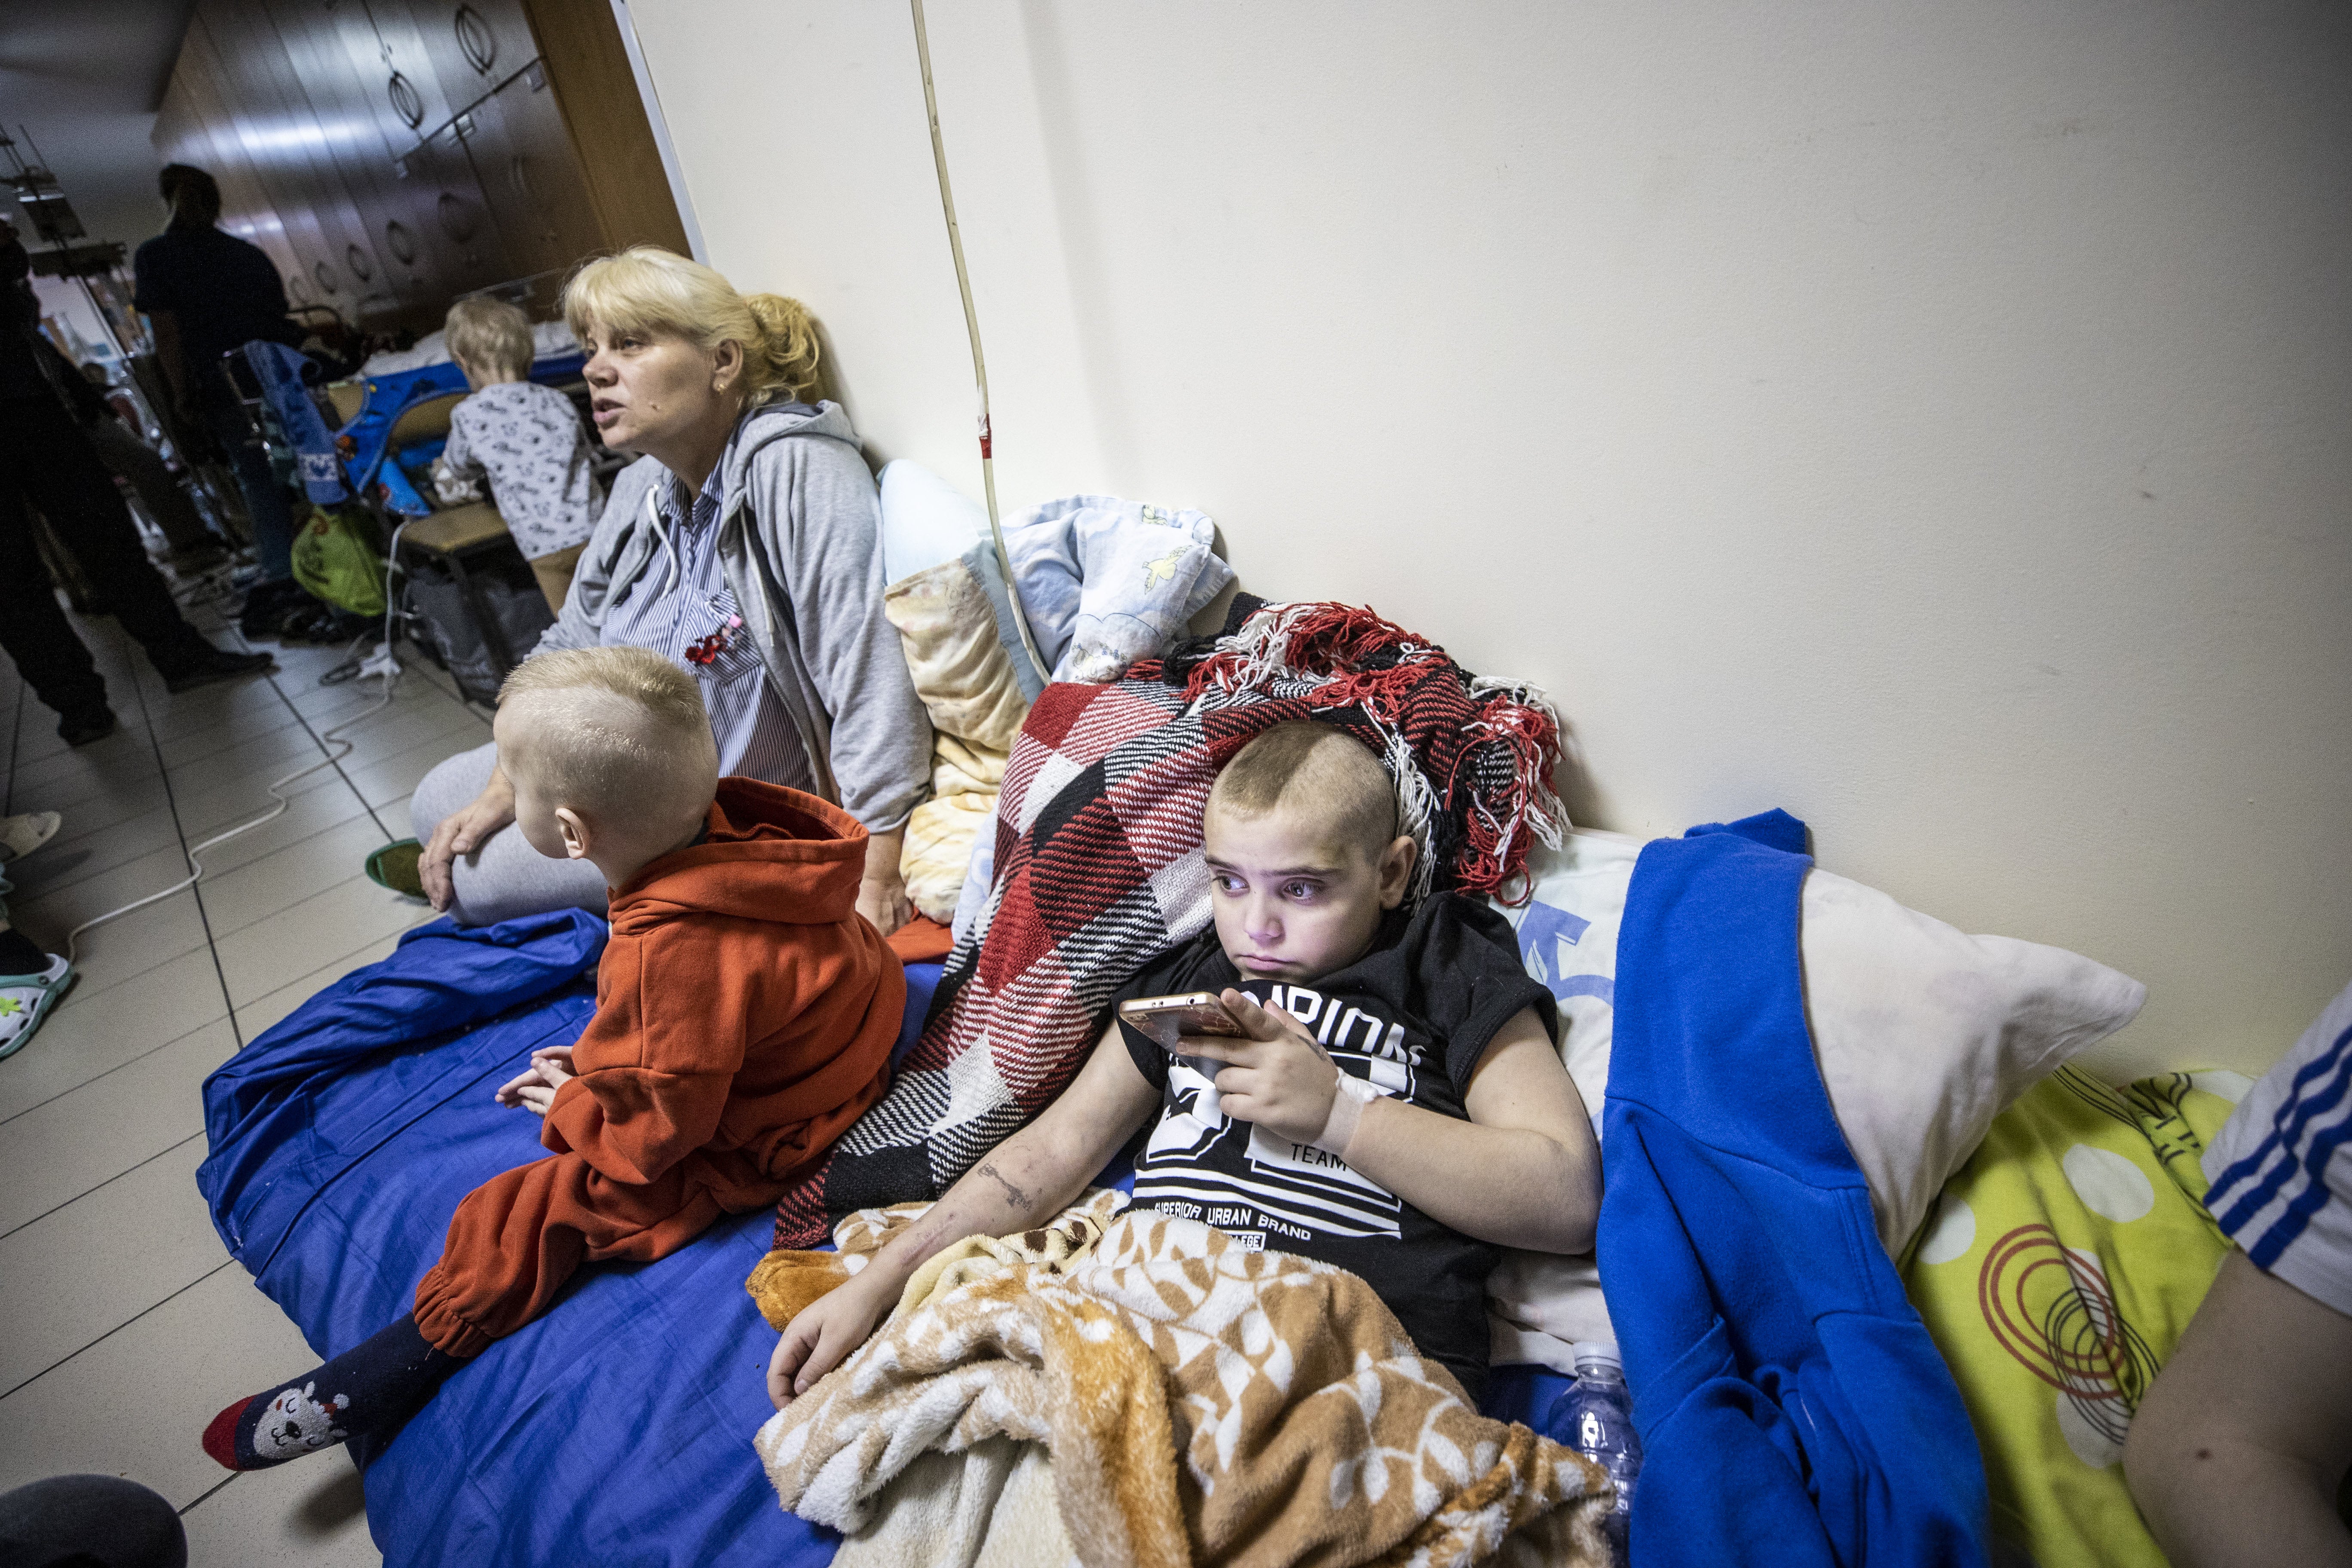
208, 292
217, 291
47, 463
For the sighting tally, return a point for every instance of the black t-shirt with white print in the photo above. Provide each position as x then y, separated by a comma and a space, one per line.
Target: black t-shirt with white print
1413, 1015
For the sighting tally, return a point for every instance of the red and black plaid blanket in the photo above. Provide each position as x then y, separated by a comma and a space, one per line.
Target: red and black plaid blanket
1098, 862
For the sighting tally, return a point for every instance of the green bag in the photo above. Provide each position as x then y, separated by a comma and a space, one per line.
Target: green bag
334, 561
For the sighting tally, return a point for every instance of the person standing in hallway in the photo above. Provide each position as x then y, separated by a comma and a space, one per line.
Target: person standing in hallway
139, 465
205, 292
46, 461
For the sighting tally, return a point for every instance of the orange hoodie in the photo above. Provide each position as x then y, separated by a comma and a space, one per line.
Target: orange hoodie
745, 1011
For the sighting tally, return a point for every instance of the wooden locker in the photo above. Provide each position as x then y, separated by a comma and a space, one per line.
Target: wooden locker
306, 150
387, 291
228, 40
248, 200
458, 221
594, 92
411, 242
475, 45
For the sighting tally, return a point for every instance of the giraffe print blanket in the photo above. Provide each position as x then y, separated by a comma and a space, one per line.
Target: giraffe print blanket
1199, 1401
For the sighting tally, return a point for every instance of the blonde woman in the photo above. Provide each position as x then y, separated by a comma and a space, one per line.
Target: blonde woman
745, 545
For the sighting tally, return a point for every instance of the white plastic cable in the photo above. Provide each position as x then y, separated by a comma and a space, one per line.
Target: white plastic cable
390, 670
979, 361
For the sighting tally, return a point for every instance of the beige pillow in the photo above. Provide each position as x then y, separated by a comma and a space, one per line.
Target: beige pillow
946, 628
941, 831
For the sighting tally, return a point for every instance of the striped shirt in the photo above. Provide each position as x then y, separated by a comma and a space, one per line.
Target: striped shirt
683, 609
2282, 1168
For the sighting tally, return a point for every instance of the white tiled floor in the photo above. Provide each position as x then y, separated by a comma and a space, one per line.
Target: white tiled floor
126, 1322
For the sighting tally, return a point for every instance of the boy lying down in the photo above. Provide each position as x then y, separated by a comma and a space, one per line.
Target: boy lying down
1397, 1108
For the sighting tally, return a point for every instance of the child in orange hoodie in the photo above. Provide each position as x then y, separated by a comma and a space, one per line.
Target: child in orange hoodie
744, 1019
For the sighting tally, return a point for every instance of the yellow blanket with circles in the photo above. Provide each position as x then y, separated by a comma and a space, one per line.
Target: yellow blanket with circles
1195, 1400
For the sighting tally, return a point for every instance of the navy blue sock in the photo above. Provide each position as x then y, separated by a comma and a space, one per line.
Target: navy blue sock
18, 955
370, 1388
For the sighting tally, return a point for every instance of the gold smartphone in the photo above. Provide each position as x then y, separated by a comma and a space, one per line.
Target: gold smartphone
1164, 1018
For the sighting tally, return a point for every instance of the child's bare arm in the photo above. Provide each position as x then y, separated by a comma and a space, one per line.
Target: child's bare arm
1522, 1172
1022, 1183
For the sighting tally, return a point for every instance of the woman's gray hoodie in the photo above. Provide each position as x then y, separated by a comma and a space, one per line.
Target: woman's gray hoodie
800, 537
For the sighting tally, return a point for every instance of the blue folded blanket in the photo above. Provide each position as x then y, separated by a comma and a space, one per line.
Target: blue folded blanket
616, 1429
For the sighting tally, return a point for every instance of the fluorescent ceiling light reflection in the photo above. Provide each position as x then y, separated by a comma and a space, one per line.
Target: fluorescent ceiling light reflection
264, 138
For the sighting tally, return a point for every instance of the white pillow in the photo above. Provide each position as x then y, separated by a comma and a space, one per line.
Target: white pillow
1923, 1035
925, 521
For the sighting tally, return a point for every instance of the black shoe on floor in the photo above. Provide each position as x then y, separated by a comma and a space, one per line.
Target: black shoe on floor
83, 725
315, 623
269, 607
199, 557
217, 664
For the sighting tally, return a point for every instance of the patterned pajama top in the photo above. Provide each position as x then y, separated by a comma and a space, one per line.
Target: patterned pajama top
529, 439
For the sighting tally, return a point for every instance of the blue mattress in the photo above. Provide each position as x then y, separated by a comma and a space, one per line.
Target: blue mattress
617, 1430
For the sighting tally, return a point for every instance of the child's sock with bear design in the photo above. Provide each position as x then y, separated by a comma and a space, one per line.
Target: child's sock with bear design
374, 1385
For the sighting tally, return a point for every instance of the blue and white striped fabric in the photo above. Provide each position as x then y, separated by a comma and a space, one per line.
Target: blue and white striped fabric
2282, 1168
677, 607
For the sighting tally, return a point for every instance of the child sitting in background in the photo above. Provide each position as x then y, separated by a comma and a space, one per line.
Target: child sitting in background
527, 438
744, 1019
1397, 1110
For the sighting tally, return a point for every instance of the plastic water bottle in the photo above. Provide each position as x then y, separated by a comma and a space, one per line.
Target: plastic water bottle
1595, 1417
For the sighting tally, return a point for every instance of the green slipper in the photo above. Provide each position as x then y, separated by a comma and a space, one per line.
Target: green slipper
25, 1000
394, 867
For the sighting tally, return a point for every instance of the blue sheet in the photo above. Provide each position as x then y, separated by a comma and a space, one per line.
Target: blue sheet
1792, 1408
618, 1429
280, 371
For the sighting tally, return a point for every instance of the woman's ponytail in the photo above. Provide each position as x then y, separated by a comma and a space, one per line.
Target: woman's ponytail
784, 360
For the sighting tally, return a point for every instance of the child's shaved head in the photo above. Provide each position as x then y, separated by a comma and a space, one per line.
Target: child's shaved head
1320, 772
616, 733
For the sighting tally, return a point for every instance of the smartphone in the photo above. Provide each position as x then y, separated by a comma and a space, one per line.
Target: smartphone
1166, 1017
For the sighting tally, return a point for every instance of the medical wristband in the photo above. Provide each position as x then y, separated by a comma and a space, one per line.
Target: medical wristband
1347, 1102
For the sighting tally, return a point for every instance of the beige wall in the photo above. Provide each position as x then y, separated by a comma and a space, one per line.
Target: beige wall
1931, 419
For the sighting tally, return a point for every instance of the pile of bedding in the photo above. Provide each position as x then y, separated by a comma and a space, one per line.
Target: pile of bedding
1195, 1400
342, 1140
1103, 582
549, 340
615, 1430
1773, 1019
1099, 863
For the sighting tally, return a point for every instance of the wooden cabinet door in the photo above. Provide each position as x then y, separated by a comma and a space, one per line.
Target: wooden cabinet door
384, 290
475, 45
534, 184
260, 193
295, 141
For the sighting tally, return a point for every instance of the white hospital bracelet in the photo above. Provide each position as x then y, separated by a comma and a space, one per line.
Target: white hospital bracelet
1347, 1102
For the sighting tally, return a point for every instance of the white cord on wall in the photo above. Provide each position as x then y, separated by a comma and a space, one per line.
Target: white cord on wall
979, 363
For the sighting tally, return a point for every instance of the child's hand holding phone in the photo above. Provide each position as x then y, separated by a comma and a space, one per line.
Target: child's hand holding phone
1273, 1073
